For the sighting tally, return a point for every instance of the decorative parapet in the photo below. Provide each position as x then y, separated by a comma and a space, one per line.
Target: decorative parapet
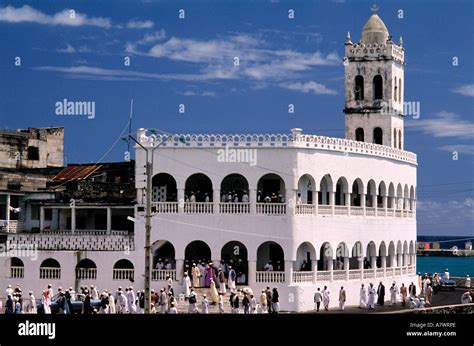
294, 140
73, 242
389, 50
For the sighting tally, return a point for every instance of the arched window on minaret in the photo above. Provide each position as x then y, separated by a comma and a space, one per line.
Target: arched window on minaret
400, 90
359, 88
394, 138
395, 89
378, 136
399, 139
360, 134
377, 86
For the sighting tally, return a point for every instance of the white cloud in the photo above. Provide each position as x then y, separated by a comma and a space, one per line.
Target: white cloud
460, 148
310, 86
445, 215
140, 24
444, 124
198, 93
28, 14
466, 90
69, 49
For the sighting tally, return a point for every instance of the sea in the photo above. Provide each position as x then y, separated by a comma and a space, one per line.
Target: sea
457, 266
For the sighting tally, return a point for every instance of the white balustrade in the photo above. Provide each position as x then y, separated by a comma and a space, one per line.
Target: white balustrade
389, 271
50, 273
370, 211
300, 277
368, 274
390, 212
86, 273
379, 272
270, 276
234, 208
323, 275
357, 211
398, 271
165, 207
339, 275
355, 274
324, 209
162, 274
17, 272
341, 210
398, 213
381, 212
123, 274
271, 208
198, 207
305, 209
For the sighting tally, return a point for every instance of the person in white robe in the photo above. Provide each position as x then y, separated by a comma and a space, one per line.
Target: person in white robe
342, 298
205, 305
231, 279
245, 197
111, 304
371, 300
132, 306
326, 298
393, 294
196, 275
169, 281
31, 307
173, 309
253, 304
221, 303
122, 302
46, 300
9, 291
192, 302
363, 297
51, 293
202, 277
186, 285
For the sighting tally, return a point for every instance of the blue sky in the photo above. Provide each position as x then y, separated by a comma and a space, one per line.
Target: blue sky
190, 61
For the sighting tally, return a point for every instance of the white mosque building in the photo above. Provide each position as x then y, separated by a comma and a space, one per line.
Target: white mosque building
322, 211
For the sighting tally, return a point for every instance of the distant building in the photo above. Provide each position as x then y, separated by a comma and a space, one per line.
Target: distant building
436, 246
468, 245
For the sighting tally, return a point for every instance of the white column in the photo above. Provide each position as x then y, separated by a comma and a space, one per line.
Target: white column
109, 220
41, 225
216, 198
252, 272
362, 202
180, 200
346, 267
73, 220
332, 195
347, 197
8, 213
331, 268
314, 267
360, 262
399, 260
373, 264
289, 272
383, 261
179, 270
253, 201
392, 261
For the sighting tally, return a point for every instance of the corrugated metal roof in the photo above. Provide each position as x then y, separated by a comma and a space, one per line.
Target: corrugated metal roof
76, 172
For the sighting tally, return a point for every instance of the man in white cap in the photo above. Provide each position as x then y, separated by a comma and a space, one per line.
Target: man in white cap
31, 307
111, 303
186, 285
204, 305
132, 306
122, 302
9, 291
393, 294
94, 293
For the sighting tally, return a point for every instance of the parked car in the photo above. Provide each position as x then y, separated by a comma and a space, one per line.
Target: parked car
77, 302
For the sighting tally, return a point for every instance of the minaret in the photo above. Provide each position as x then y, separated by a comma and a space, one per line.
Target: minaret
374, 84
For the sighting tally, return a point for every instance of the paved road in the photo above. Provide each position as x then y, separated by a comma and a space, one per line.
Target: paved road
439, 299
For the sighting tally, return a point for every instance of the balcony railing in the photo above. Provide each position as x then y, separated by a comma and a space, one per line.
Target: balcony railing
165, 207
270, 277
324, 209
162, 274
86, 273
368, 274
370, 211
300, 277
379, 272
341, 210
50, 273
305, 209
339, 275
234, 208
13, 226
355, 274
198, 207
17, 272
323, 275
271, 208
123, 274
357, 211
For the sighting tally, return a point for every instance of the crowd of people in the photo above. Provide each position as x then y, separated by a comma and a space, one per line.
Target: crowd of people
222, 284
